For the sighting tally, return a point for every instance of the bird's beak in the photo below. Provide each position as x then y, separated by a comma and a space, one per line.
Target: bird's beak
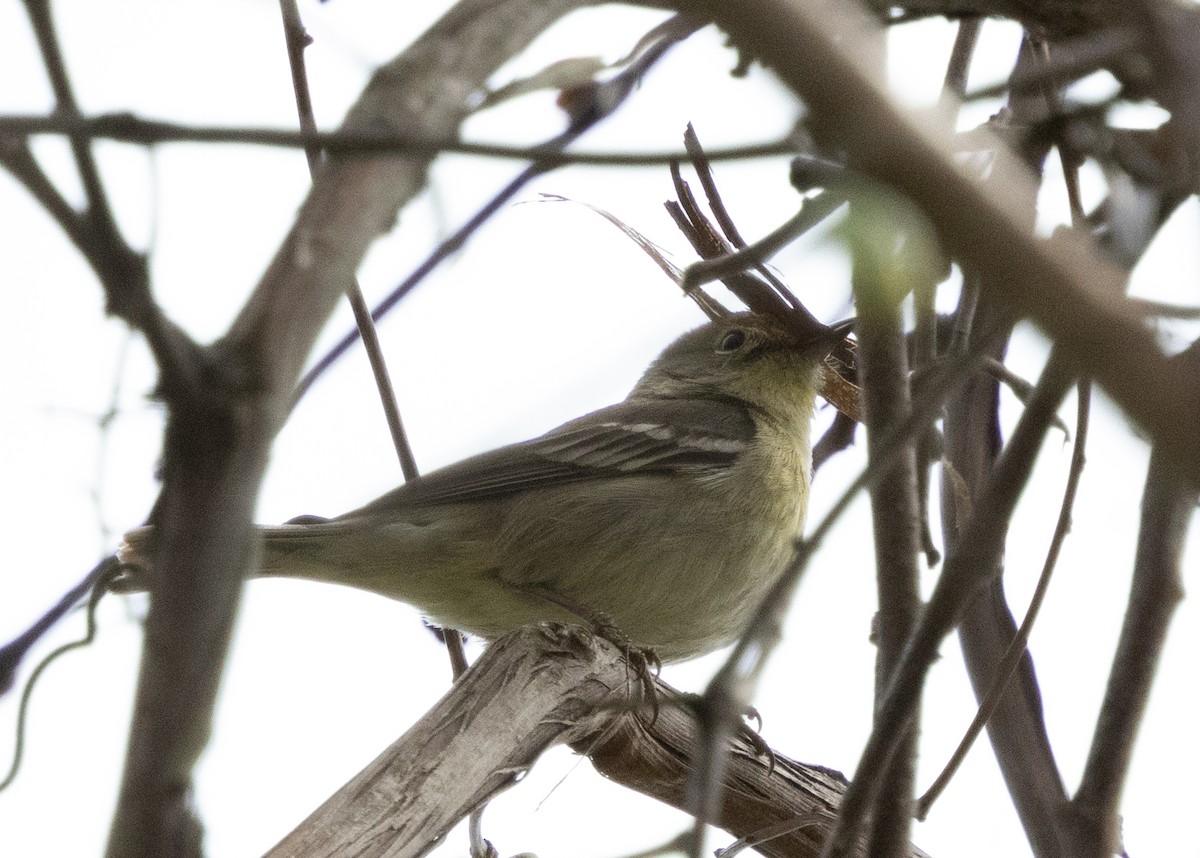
827, 339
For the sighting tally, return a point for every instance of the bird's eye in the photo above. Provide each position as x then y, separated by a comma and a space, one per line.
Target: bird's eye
732, 341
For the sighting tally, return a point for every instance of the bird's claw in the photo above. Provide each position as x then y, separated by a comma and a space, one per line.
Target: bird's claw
643, 662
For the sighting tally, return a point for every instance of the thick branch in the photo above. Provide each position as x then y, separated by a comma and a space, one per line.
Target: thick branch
530, 690
219, 434
537, 687
820, 49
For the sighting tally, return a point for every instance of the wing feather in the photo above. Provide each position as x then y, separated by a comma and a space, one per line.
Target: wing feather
632, 436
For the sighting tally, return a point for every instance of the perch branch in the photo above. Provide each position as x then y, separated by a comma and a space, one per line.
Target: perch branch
544, 685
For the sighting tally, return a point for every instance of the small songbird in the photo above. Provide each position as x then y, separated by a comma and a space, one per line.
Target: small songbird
669, 514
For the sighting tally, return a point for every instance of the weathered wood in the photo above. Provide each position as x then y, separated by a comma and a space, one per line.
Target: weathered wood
541, 686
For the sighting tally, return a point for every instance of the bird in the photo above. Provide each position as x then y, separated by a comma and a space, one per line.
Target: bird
667, 515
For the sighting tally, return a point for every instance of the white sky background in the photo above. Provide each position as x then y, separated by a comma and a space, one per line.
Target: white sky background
549, 312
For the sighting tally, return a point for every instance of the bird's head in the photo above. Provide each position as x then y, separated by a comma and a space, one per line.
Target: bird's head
746, 357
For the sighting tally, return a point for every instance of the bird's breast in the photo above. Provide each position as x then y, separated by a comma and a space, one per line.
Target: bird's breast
677, 562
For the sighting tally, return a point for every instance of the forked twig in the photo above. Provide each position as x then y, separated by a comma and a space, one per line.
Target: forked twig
1168, 504
966, 568
1007, 668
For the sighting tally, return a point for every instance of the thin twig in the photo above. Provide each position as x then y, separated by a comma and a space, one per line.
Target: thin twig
703, 167
588, 109
812, 212
1007, 668
443, 251
954, 85
967, 567
925, 327
964, 314
924, 339
95, 583
769, 833
13, 652
128, 128
895, 510
752, 290
1069, 158
1168, 503
732, 687
296, 39
65, 105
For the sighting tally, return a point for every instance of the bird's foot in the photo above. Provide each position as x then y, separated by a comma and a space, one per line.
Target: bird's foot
644, 664
702, 709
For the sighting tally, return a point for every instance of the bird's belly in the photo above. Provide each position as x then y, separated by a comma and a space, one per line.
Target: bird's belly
687, 602
678, 568
681, 577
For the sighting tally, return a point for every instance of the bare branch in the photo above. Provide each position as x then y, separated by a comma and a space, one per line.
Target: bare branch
818, 47
545, 685
531, 689
970, 564
218, 438
1013, 657
1157, 588
128, 128
883, 361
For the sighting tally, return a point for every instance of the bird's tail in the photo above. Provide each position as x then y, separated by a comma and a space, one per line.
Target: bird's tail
134, 555
294, 550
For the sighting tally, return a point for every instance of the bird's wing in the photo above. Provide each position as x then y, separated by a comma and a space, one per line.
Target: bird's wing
643, 437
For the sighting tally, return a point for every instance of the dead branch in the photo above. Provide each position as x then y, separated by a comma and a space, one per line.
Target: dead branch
537, 687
